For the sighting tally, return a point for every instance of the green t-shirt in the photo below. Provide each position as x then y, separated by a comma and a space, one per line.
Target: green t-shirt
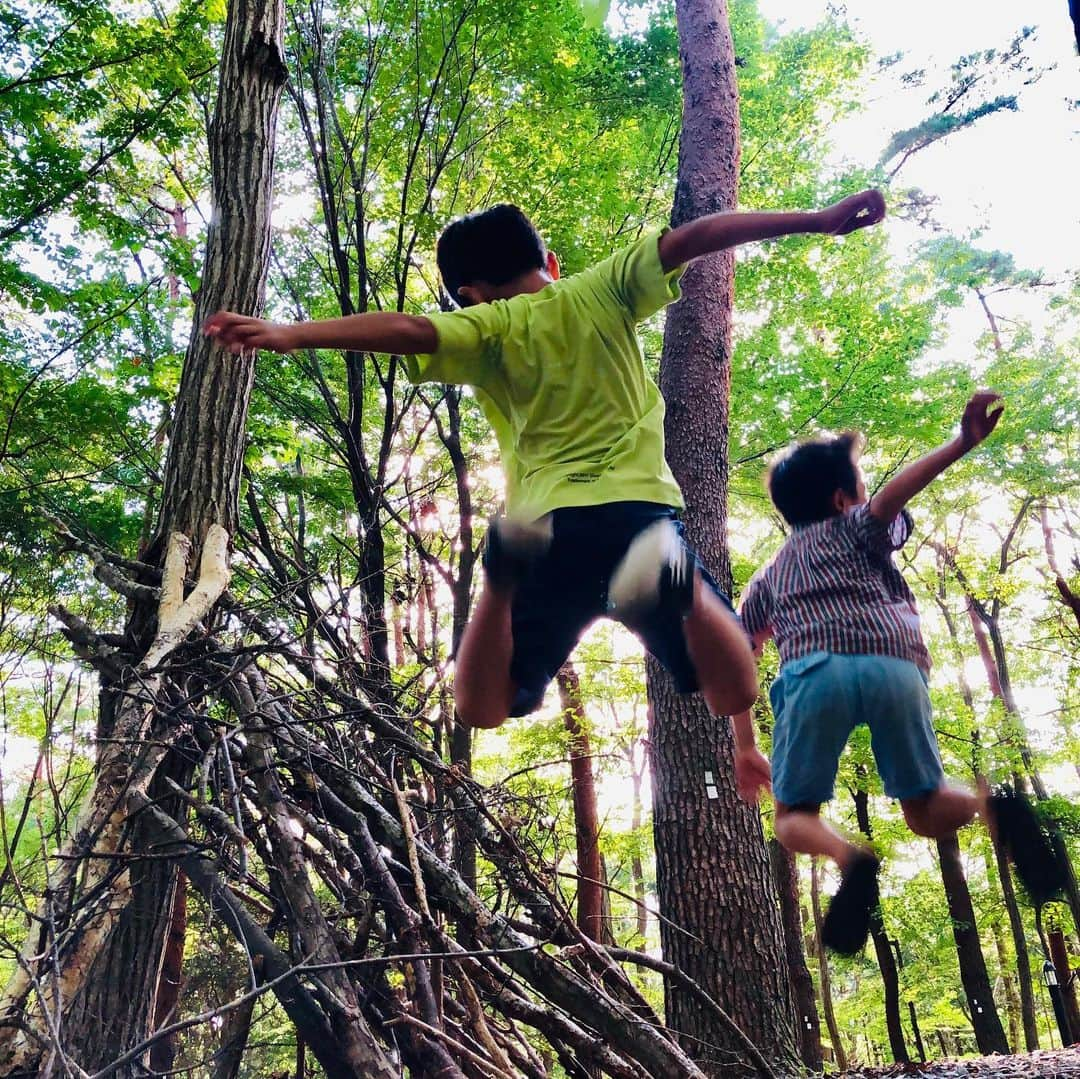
561, 378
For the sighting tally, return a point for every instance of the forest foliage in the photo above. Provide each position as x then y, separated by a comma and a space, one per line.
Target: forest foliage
397, 117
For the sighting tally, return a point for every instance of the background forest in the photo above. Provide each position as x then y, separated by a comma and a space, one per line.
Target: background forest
360, 516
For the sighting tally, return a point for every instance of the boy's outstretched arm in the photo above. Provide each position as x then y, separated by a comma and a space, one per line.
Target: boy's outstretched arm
715, 232
373, 331
979, 419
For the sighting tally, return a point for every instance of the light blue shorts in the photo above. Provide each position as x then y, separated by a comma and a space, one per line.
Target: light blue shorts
819, 699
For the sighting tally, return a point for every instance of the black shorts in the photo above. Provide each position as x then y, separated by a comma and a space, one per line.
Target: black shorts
567, 590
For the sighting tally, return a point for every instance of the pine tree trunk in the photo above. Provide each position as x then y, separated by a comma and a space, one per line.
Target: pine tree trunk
839, 1054
989, 1034
711, 865
786, 878
886, 961
170, 979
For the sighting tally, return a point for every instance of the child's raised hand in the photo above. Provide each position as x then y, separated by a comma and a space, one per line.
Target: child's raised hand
241, 333
854, 212
753, 774
980, 417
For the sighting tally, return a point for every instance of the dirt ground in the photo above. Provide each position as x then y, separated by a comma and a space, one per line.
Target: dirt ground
1051, 1064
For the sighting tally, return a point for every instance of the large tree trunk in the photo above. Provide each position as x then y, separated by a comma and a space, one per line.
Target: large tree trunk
989, 1034
712, 869
110, 999
883, 949
786, 878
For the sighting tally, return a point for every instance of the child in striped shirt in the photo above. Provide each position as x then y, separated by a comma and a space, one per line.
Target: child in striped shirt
847, 629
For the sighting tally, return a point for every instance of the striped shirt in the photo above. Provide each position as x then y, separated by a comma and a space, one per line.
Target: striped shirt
833, 587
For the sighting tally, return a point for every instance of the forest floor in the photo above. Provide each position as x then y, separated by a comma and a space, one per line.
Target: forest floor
1051, 1064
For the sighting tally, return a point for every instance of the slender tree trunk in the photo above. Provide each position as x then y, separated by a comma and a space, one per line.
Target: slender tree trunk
1068, 596
987, 625
1023, 959
163, 1053
1016, 925
461, 736
234, 1037
883, 950
590, 890
1008, 981
839, 1054
711, 865
989, 1034
1059, 955
786, 878
915, 1031
637, 867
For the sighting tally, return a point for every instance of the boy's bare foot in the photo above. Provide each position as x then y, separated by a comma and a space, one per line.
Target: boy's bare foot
656, 571
847, 921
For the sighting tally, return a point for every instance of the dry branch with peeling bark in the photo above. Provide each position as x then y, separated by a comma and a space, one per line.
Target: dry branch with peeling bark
333, 790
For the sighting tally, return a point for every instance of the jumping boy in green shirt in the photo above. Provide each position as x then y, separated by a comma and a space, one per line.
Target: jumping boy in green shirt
591, 523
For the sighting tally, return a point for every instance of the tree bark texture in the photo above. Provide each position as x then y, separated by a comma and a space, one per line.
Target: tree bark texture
989, 1033
712, 868
170, 978
115, 1005
206, 443
786, 878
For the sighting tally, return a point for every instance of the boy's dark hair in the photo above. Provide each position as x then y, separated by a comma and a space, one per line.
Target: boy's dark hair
804, 478
494, 245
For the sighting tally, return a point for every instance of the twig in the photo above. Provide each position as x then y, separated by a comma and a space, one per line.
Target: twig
669, 970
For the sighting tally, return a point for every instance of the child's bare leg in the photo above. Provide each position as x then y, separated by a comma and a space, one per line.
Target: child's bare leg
802, 830
942, 811
720, 652
483, 689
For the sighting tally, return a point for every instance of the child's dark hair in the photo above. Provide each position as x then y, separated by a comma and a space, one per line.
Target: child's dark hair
804, 478
494, 245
